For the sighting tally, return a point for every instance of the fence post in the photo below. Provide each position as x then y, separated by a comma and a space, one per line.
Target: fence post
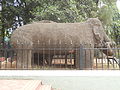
5, 55
81, 62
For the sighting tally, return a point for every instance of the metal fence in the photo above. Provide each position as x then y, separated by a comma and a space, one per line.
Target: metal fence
59, 58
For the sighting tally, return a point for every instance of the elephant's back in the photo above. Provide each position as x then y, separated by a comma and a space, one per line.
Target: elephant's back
62, 34
57, 34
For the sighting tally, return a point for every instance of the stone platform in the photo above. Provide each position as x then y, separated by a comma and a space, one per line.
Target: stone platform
23, 85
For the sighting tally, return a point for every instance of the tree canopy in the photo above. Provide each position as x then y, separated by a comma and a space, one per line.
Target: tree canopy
16, 13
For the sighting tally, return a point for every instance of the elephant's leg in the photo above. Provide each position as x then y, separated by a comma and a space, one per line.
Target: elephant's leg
19, 59
28, 59
48, 59
84, 58
88, 58
35, 58
25, 58
65, 60
77, 57
24, 55
41, 62
38, 59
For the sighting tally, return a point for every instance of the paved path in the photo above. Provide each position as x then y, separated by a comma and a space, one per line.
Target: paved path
69, 80
23, 85
78, 82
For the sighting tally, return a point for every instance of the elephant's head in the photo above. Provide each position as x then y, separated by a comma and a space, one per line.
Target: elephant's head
101, 39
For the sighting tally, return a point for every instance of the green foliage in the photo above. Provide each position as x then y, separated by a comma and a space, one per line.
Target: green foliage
0, 25
7, 18
115, 32
110, 17
13, 14
27, 11
66, 10
105, 15
26, 8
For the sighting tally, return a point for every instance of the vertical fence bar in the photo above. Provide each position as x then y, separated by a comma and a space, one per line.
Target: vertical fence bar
85, 59
10, 57
5, 55
43, 58
49, 57
27, 58
0, 57
102, 61
118, 50
65, 58
96, 63
38, 66
32, 59
71, 60
38, 62
78, 58
117, 59
112, 62
108, 63
75, 57
60, 56
53, 57
81, 58
96, 58
91, 59
0, 61
16, 58
22, 56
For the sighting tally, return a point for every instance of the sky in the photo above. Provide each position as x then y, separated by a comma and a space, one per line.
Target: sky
0, 7
118, 4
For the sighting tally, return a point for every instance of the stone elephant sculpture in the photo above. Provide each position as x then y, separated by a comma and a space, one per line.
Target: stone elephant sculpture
88, 34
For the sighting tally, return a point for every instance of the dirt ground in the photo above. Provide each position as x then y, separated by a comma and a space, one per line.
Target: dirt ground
60, 64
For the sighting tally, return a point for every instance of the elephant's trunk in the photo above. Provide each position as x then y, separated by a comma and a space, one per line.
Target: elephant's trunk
108, 44
108, 51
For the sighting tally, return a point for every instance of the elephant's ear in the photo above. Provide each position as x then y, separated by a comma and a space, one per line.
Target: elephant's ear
96, 33
96, 26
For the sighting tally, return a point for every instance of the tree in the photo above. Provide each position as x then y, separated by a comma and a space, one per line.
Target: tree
0, 25
66, 11
115, 32
15, 13
110, 17
25, 10
7, 18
